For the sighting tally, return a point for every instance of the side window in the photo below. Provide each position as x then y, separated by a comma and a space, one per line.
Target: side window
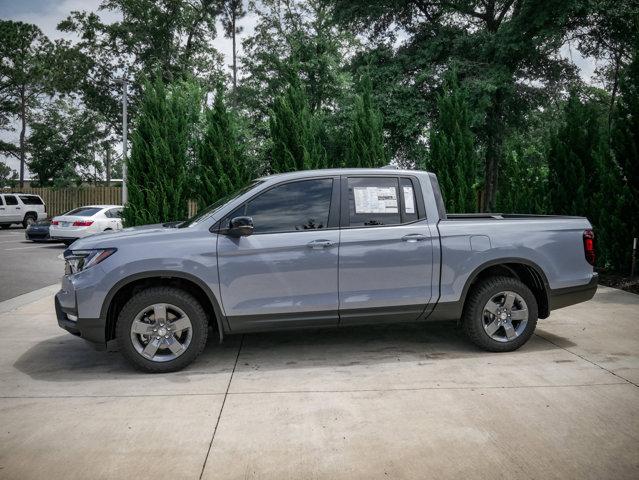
1, 200
373, 201
114, 213
295, 206
30, 200
11, 200
409, 202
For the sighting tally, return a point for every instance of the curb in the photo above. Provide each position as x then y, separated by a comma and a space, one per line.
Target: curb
22, 300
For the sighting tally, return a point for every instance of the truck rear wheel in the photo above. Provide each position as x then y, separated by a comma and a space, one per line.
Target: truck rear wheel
500, 314
162, 329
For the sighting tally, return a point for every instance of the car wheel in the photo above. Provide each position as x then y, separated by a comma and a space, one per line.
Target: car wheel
162, 329
500, 314
29, 219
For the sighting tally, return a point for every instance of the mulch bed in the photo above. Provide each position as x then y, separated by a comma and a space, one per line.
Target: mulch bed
619, 281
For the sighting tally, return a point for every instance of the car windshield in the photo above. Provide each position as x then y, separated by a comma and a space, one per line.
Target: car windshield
211, 209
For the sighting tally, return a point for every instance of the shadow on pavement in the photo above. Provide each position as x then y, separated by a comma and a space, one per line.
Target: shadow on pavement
69, 359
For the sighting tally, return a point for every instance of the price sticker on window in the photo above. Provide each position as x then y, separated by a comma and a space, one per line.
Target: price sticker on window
409, 200
375, 200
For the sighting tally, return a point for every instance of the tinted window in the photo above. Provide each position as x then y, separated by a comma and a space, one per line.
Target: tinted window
84, 211
1, 201
11, 200
30, 200
114, 213
295, 206
373, 201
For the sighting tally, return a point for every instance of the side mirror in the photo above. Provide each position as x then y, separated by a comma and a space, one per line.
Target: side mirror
240, 227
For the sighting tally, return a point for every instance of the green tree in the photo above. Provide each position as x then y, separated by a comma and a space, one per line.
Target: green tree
295, 132
506, 53
222, 161
23, 80
366, 139
452, 155
625, 137
157, 168
62, 144
8, 176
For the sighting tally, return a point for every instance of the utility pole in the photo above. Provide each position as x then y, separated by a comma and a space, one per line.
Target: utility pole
108, 165
125, 83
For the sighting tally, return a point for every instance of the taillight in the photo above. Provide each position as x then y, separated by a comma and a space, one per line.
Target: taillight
82, 223
55, 222
589, 246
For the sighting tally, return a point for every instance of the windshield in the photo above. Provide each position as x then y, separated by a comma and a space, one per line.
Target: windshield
211, 209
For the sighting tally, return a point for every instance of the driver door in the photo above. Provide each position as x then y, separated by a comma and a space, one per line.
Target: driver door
285, 274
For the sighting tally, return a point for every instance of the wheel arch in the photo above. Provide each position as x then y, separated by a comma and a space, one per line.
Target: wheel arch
125, 288
523, 269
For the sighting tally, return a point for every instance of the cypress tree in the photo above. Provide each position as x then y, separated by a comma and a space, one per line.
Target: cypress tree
295, 132
452, 155
625, 143
158, 180
366, 140
221, 158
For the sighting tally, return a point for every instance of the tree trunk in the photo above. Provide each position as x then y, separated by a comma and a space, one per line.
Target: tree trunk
234, 48
107, 166
493, 152
23, 131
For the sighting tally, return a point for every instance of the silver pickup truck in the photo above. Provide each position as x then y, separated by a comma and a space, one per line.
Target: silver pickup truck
322, 248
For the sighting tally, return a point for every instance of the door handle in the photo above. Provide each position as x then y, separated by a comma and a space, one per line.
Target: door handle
320, 244
18, 208
413, 237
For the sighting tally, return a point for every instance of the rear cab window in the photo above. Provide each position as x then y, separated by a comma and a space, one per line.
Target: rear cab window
83, 212
381, 201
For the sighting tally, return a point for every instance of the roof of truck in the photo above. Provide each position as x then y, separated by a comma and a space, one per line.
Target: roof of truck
342, 171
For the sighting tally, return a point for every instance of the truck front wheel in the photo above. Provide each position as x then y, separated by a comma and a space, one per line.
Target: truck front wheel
500, 314
161, 329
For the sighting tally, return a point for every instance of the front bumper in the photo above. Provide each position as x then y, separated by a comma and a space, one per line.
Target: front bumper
564, 297
90, 329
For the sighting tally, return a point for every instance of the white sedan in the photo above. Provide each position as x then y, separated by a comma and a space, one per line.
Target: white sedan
84, 221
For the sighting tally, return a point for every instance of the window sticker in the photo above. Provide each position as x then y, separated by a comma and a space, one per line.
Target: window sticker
375, 199
409, 200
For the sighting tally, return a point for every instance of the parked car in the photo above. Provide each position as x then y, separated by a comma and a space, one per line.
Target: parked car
38, 231
23, 208
84, 221
324, 248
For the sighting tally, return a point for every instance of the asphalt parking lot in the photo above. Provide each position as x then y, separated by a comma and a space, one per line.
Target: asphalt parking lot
25, 265
402, 401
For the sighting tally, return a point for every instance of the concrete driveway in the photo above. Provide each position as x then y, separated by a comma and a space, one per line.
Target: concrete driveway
413, 401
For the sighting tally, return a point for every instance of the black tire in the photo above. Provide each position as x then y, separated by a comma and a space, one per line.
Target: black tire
173, 296
473, 316
29, 216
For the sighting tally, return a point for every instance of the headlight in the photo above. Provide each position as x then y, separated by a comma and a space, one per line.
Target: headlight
79, 260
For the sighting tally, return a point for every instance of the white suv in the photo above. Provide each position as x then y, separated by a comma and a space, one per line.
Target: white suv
23, 208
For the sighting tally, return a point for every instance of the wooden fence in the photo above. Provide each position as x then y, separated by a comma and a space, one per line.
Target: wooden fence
64, 199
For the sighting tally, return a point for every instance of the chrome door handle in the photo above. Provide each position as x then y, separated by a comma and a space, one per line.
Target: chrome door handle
413, 237
320, 244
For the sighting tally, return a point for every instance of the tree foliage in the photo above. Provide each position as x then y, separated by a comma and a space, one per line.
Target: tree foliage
223, 165
452, 155
366, 139
295, 132
158, 178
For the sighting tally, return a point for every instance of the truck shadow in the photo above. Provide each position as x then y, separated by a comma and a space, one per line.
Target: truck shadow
66, 358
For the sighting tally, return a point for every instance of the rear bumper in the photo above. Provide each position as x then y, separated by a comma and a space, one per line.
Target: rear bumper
90, 329
564, 297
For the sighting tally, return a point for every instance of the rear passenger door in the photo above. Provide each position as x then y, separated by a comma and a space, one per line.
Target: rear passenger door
386, 250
